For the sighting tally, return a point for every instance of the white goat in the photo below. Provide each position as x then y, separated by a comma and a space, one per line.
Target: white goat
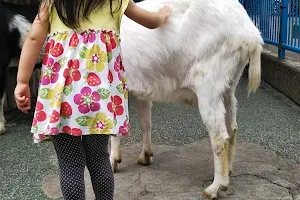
197, 58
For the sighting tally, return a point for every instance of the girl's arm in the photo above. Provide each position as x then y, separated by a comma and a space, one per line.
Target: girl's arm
33, 45
31, 49
145, 18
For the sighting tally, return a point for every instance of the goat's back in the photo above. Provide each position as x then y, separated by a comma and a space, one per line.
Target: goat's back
160, 61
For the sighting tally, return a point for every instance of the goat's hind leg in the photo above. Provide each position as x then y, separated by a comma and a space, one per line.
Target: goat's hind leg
212, 111
230, 106
145, 158
115, 152
144, 108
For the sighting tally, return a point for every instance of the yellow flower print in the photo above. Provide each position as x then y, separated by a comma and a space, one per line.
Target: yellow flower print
100, 124
61, 36
125, 88
56, 95
95, 58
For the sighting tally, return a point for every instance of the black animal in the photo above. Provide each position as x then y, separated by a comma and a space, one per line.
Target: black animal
15, 23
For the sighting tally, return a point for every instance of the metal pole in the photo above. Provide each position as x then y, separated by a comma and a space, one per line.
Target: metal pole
283, 28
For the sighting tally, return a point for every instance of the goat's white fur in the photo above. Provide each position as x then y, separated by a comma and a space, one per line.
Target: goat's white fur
198, 57
20, 23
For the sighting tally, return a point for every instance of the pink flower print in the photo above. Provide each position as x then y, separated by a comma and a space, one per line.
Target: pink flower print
89, 36
125, 87
50, 74
100, 125
95, 58
87, 100
115, 106
124, 130
119, 67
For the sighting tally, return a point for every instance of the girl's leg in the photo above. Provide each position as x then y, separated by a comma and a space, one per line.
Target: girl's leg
71, 159
98, 164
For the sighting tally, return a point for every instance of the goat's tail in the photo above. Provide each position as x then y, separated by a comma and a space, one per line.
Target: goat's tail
254, 71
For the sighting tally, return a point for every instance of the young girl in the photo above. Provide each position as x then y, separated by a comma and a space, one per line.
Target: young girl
82, 95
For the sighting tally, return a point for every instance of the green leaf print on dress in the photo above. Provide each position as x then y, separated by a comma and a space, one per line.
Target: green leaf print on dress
82, 120
44, 92
68, 89
104, 93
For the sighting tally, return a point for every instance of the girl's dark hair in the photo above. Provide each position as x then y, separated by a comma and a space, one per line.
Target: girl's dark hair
72, 12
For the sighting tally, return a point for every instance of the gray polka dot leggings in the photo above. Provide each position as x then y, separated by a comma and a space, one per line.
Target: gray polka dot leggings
74, 153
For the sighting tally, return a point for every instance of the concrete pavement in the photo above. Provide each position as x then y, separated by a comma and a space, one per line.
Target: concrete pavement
181, 172
265, 168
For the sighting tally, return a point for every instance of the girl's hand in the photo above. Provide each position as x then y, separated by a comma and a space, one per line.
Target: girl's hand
22, 97
165, 13
145, 18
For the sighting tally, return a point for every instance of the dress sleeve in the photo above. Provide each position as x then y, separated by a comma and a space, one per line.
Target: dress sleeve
121, 13
124, 5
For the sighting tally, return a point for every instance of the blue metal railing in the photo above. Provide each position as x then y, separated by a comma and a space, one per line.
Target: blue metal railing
278, 21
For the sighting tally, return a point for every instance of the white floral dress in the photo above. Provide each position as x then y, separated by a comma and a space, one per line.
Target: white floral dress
83, 87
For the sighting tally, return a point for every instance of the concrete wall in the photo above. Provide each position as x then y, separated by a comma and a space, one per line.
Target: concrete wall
284, 75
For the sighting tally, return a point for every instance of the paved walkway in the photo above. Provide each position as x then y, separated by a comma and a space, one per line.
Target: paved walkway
265, 167
181, 172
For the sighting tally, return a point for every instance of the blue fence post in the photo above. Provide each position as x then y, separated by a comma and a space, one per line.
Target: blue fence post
283, 28
260, 11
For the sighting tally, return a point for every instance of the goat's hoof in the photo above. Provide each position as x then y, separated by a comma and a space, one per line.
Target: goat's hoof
211, 192
145, 158
208, 196
230, 172
114, 163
